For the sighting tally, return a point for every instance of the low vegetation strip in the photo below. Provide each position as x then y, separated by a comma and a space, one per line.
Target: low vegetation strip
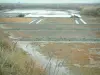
15, 20
14, 61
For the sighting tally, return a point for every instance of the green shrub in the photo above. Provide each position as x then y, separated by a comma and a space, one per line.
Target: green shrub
21, 15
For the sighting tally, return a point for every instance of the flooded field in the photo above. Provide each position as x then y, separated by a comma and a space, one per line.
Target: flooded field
62, 41
44, 13
53, 32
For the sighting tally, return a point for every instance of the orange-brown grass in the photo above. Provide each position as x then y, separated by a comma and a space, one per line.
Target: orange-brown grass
15, 19
76, 53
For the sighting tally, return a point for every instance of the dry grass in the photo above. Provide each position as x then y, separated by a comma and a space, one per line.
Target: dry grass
15, 19
75, 53
14, 61
17, 62
97, 34
77, 56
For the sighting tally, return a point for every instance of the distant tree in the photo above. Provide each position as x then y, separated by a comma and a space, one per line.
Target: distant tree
1, 7
21, 15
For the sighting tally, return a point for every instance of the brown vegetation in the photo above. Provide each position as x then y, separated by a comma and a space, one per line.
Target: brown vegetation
15, 19
14, 61
76, 53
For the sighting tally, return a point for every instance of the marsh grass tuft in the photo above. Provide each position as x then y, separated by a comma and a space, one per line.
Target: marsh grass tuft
14, 61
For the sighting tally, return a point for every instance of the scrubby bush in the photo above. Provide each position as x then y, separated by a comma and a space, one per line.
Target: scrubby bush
1, 7
93, 11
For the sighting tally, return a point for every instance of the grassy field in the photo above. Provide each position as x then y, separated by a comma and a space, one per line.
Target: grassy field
76, 52
44, 21
14, 20
81, 58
